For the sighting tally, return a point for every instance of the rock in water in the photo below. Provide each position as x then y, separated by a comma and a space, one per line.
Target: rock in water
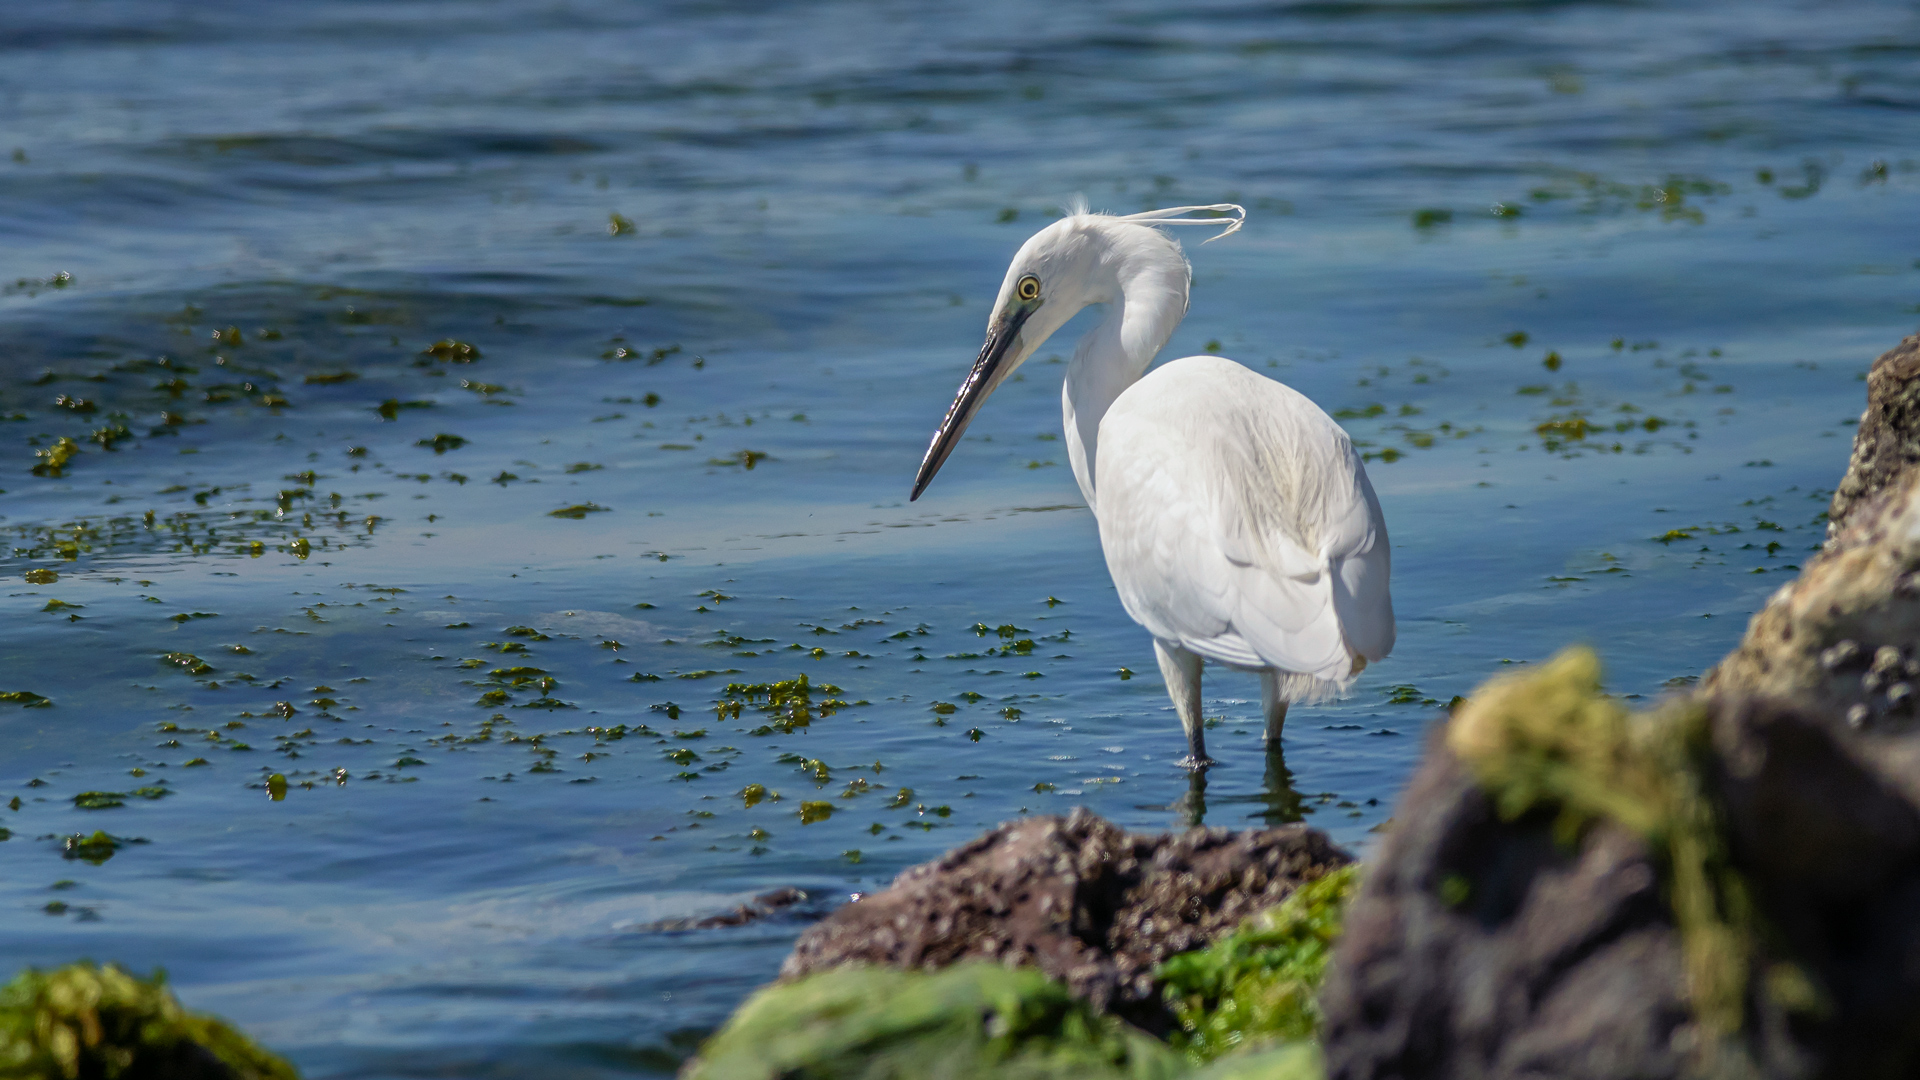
1077, 897
1726, 887
1842, 637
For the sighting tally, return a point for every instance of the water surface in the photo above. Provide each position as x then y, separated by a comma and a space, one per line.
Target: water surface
1595, 284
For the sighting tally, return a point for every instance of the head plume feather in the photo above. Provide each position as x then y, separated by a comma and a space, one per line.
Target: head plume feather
1171, 216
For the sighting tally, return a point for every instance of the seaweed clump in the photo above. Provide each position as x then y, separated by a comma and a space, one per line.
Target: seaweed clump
1259, 984
53, 459
788, 704
83, 1022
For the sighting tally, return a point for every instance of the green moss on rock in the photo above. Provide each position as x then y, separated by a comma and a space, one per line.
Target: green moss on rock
969, 1020
1260, 984
85, 1022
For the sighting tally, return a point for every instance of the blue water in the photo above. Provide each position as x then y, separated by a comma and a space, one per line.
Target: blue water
1704, 211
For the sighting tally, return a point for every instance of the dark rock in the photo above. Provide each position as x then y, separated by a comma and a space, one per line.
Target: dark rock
1818, 822
767, 904
1481, 948
1077, 897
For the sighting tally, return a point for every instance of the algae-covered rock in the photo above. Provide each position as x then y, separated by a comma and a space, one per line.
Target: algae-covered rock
1726, 886
85, 1022
1077, 897
1259, 984
1551, 739
862, 1022
1484, 947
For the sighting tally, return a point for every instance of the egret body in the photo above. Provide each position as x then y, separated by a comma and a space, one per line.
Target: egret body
1236, 518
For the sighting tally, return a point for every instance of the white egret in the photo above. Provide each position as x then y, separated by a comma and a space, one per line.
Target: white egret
1236, 518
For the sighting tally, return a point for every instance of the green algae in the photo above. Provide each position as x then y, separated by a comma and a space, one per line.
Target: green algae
442, 443
1260, 983
25, 698
451, 351
746, 459
788, 704
577, 511
54, 459
188, 662
99, 800
87, 1021
970, 1020
390, 408
95, 849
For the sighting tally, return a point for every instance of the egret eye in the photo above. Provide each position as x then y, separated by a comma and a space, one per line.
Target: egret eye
1028, 288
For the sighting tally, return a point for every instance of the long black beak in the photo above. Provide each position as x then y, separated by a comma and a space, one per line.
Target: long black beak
973, 393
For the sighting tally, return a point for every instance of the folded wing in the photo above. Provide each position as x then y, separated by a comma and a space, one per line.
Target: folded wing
1238, 523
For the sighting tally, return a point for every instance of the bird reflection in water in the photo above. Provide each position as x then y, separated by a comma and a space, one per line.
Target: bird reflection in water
1278, 802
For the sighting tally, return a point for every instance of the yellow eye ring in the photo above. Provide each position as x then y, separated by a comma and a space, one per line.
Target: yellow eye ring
1028, 288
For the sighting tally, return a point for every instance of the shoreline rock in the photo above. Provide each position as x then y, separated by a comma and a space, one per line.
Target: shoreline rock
1077, 897
1749, 908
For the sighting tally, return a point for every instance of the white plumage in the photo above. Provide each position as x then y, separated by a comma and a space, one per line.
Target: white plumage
1236, 518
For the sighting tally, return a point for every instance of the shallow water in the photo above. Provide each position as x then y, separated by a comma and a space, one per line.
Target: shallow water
1703, 211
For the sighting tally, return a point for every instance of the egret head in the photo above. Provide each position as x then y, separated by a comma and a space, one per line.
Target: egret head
1081, 259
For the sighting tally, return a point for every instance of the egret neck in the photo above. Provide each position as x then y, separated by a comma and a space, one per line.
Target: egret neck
1111, 357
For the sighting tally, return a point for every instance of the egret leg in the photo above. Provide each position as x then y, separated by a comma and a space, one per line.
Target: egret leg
1181, 670
1273, 705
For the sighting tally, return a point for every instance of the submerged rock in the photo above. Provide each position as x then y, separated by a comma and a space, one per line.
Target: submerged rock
83, 1022
1076, 897
764, 906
